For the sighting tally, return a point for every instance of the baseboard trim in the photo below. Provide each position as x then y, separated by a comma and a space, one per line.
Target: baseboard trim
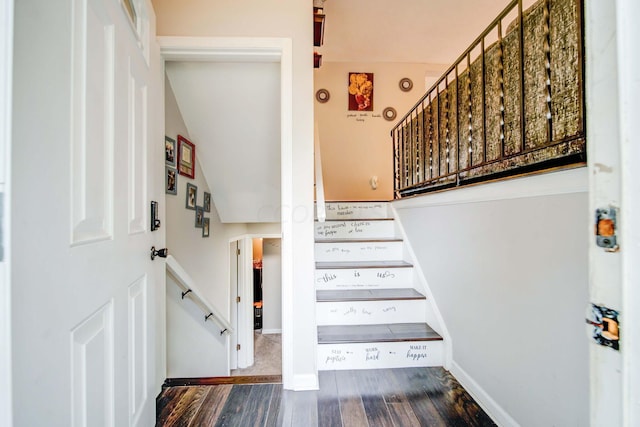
306, 382
253, 379
490, 406
271, 331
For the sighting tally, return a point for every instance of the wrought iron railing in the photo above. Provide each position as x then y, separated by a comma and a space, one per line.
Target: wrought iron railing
512, 103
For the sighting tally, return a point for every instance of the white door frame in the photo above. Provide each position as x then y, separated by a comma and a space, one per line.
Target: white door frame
628, 34
234, 280
6, 66
243, 330
612, 92
253, 49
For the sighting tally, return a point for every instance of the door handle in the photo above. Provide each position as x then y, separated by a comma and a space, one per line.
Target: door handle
162, 253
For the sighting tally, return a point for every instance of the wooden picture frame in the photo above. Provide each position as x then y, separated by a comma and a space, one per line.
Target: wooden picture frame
199, 217
191, 197
186, 157
170, 180
170, 151
206, 225
206, 202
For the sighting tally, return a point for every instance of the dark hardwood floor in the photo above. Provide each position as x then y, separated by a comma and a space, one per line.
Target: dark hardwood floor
389, 397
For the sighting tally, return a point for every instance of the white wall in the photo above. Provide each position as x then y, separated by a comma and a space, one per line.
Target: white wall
271, 286
6, 65
356, 148
290, 19
205, 259
195, 348
233, 109
507, 265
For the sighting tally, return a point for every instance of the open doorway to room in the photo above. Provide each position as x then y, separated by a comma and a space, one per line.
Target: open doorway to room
266, 303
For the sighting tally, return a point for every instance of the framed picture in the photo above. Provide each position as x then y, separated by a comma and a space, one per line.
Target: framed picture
186, 157
206, 202
199, 216
170, 180
205, 227
192, 197
170, 151
360, 91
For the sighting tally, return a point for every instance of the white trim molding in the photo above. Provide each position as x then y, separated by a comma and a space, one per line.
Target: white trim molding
308, 382
255, 49
490, 406
628, 34
546, 184
6, 79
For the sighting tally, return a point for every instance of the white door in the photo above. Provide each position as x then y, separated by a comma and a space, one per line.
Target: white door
233, 293
613, 90
86, 162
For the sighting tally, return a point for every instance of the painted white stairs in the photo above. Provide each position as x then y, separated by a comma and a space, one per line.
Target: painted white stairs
369, 313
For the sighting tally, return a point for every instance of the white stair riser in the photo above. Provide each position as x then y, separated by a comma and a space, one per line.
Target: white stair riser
355, 229
370, 312
359, 251
357, 210
380, 355
364, 278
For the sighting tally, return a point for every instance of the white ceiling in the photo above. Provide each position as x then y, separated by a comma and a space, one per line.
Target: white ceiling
418, 31
232, 112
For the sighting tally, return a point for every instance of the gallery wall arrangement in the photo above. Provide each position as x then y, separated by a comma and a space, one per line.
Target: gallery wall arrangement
180, 159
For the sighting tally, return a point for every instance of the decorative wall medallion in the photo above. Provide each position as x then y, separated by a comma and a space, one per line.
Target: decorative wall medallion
389, 113
405, 84
322, 96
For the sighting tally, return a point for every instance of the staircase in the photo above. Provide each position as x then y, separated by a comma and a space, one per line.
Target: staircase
369, 313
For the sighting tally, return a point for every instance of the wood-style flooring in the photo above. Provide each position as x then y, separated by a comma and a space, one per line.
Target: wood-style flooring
389, 397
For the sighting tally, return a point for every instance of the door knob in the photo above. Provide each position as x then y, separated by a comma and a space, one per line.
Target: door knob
162, 253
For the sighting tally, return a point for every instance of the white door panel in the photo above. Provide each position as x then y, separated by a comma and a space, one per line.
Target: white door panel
86, 311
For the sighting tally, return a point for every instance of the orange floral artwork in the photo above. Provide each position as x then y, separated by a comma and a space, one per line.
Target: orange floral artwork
360, 91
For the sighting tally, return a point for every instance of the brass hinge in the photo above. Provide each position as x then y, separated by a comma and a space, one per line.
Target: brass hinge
238, 347
238, 252
237, 299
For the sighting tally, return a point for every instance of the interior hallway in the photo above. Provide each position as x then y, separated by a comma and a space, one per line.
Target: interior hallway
267, 356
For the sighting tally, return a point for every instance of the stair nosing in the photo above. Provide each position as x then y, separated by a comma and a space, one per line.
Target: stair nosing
364, 240
344, 265
372, 338
419, 297
354, 219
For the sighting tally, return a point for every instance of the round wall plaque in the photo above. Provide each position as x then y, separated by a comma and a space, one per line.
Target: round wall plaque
389, 113
322, 95
405, 84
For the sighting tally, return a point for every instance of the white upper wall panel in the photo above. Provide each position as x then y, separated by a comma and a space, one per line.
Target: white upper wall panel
232, 112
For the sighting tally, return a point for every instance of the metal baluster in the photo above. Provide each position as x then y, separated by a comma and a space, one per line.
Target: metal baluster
522, 91
430, 138
501, 70
484, 104
470, 162
457, 127
446, 121
547, 51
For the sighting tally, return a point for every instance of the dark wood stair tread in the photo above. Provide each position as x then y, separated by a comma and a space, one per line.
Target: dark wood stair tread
253, 379
368, 295
362, 264
356, 219
392, 332
364, 240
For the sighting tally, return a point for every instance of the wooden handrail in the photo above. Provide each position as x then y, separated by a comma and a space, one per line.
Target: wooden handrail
185, 282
